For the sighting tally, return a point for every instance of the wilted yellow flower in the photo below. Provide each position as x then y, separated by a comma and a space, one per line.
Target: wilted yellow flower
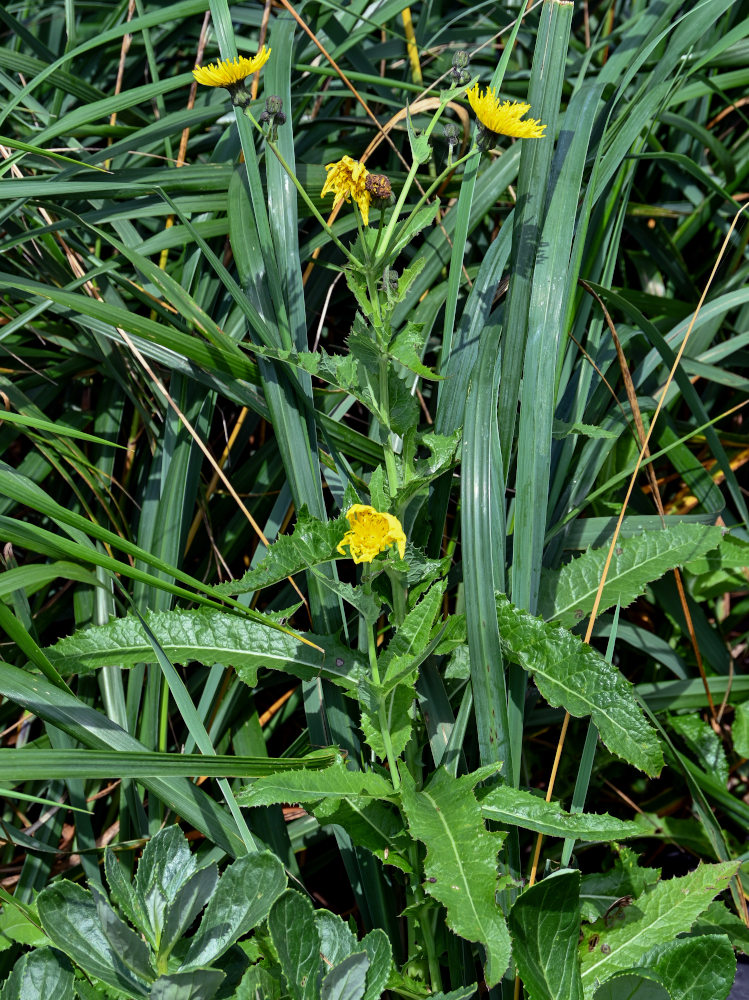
347, 178
371, 533
230, 72
503, 117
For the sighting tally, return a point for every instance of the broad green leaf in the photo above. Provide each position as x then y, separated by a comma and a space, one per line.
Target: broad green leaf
164, 866
348, 980
567, 595
740, 729
205, 636
413, 634
337, 940
71, 920
380, 953
246, 891
260, 981
130, 948
338, 782
515, 807
544, 926
701, 968
421, 151
185, 906
570, 673
16, 926
199, 984
461, 860
292, 927
656, 917
641, 985
703, 742
718, 919
40, 973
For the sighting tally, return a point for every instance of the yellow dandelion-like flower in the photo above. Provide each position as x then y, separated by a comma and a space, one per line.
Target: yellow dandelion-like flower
503, 117
347, 178
371, 532
230, 72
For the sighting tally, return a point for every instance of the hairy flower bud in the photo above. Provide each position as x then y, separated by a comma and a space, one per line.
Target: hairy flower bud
379, 187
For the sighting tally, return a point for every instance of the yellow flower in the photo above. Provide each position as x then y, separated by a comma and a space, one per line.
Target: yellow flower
230, 72
503, 118
348, 177
371, 533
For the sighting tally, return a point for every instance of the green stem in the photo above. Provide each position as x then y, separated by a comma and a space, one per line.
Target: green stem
381, 714
305, 197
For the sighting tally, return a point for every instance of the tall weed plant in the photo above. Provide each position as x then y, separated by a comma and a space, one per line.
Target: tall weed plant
374, 583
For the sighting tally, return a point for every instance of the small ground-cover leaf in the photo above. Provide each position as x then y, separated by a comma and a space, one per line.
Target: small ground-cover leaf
571, 673
461, 860
567, 595
516, 807
40, 973
294, 933
718, 919
656, 917
545, 926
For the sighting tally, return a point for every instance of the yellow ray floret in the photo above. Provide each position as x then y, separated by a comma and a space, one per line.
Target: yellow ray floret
503, 117
371, 532
230, 71
347, 178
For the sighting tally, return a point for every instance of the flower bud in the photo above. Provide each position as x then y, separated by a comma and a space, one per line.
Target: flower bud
379, 187
459, 69
273, 104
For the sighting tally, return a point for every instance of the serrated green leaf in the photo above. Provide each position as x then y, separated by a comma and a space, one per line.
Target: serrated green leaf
40, 973
408, 276
732, 553
260, 981
312, 542
516, 807
398, 717
703, 742
413, 634
380, 954
379, 493
407, 348
461, 860
561, 429
701, 968
567, 595
70, 919
644, 984
245, 893
206, 636
740, 729
370, 824
293, 930
600, 890
404, 406
422, 218
348, 980
656, 917
421, 151
122, 892
544, 926
311, 786
718, 919
130, 948
571, 673
198, 984
336, 938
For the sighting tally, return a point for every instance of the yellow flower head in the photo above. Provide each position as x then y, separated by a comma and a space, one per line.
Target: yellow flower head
371, 533
230, 72
347, 178
503, 118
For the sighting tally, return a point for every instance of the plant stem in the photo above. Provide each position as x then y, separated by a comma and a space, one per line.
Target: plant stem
381, 714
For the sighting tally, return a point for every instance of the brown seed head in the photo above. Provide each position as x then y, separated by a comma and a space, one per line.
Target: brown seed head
379, 186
